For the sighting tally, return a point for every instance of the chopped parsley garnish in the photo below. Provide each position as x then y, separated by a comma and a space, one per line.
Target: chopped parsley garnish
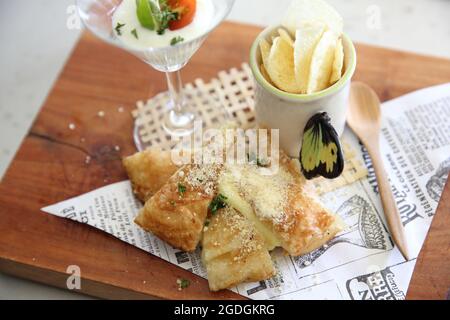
181, 189
183, 283
165, 17
134, 33
217, 203
155, 15
118, 28
176, 40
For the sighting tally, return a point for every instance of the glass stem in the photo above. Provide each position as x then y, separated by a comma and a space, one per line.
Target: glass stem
179, 120
175, 86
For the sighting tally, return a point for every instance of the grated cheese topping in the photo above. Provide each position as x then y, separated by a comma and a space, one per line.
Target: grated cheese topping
244, 230
266, 193
203, 177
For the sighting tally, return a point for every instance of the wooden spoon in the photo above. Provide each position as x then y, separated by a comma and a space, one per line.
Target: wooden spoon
364, 119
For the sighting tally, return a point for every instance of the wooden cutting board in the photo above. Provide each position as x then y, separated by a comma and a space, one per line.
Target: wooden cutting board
50, 167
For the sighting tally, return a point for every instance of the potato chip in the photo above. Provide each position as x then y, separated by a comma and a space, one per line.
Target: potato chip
304, 11
286, 36
322, 62
338, 63
264, 47
265, 74
306, 40
280, 66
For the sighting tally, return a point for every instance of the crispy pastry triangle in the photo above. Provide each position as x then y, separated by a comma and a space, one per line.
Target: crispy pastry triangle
177, 212
280, 206
233, 251
149, 171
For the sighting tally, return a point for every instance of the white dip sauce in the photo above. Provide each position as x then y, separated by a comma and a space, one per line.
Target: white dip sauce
126, 14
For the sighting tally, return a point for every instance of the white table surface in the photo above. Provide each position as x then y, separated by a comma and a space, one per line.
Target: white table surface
37, 42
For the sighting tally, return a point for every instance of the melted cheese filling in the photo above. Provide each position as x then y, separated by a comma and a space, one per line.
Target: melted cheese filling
261, 199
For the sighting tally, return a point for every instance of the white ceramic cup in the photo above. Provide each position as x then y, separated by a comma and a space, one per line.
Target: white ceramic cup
288, 112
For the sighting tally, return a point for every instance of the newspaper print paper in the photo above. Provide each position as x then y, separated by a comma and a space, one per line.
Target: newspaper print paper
361, 262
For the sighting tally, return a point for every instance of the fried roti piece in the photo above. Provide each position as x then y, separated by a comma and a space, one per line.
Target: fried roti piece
280, 206
177, 212
149, 171
233, 251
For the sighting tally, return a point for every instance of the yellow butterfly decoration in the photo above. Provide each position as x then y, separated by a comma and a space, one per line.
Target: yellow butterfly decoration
321, 152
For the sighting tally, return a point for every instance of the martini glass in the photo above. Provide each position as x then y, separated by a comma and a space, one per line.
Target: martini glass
97, 16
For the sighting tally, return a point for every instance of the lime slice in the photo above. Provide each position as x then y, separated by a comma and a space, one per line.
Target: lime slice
146, 15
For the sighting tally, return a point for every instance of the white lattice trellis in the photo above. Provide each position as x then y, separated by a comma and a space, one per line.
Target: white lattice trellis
229, 97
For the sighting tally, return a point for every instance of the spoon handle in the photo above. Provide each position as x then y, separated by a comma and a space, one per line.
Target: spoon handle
387, 198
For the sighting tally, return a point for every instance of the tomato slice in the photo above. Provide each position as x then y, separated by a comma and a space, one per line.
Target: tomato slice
186, 10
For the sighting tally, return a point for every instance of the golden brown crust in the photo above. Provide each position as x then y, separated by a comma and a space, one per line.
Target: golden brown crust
307, 225
233, 251
282, 203
314, 224
149, 171
235, 244
177, 212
